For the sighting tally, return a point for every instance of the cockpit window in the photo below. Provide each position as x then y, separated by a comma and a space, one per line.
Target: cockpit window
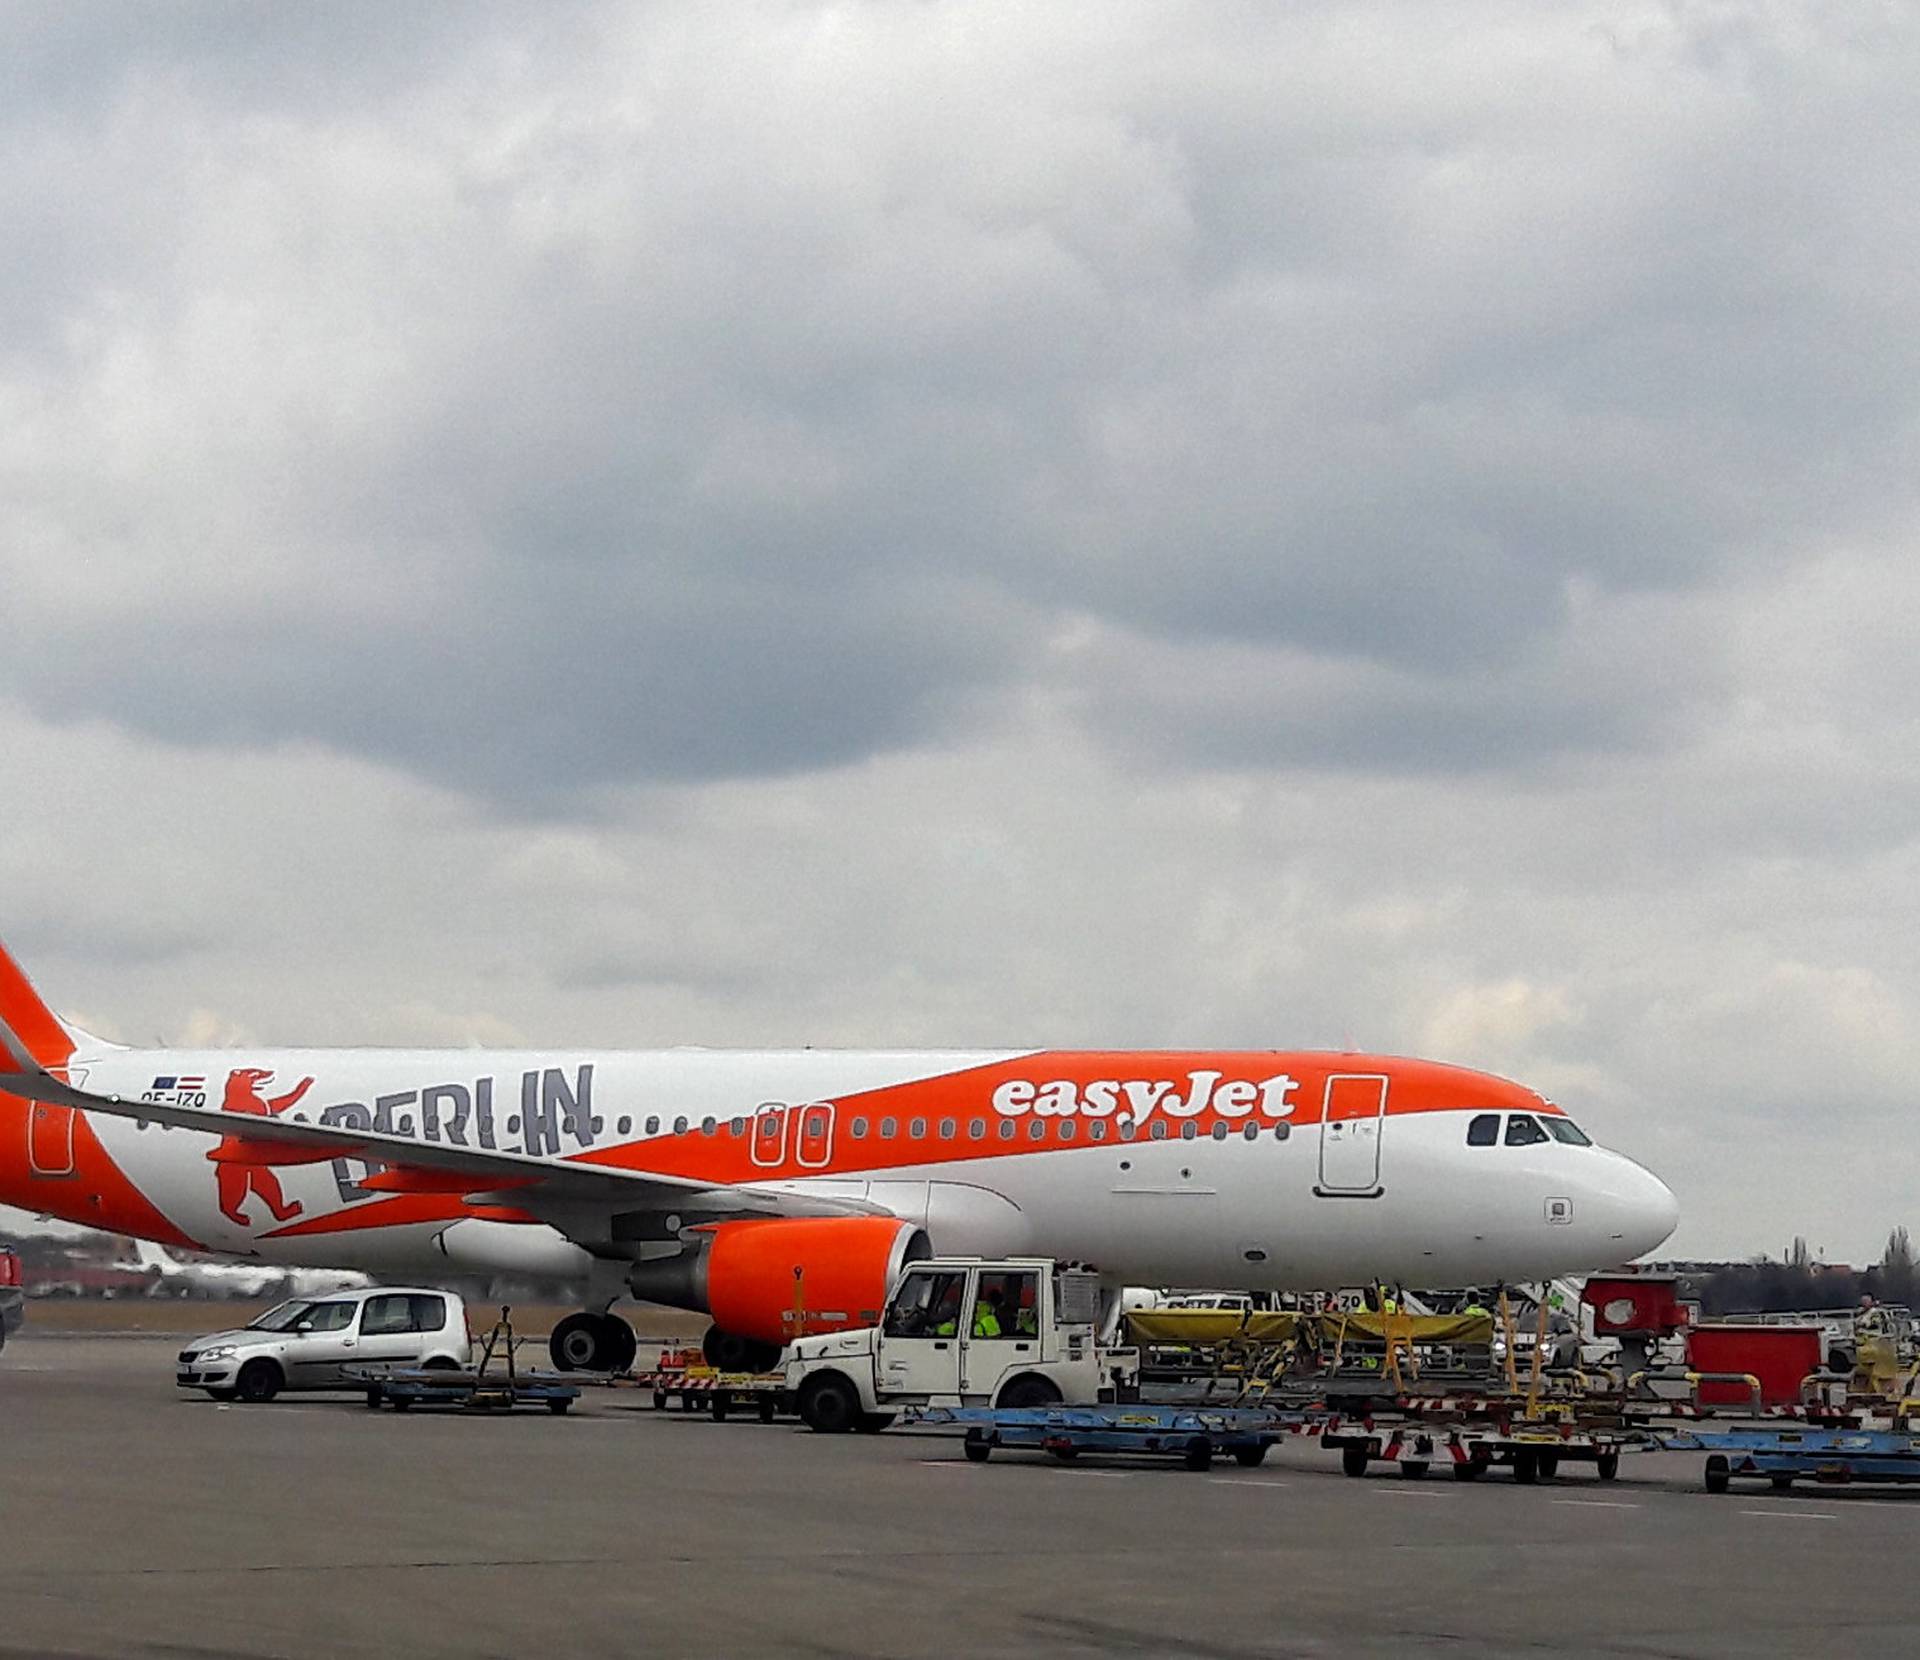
1483, 1129
1523, 1130
1564, 1129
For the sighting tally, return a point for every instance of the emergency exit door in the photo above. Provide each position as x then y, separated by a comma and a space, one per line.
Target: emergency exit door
805, 1132
1354, 1115
50, 1135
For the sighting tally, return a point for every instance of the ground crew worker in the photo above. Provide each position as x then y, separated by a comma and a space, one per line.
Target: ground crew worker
986, 1315
1871, 1320
1475, 1307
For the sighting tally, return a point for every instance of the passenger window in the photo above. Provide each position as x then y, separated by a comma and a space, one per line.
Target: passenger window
1036, 1129
858, 1129
1524, 1131
385, 1316
330, 1316
947, 1129
918, 1129
1005, 1304
926, 1305
1008, 1129
1564, 1129
889, 1128
1484, 1130
653, 1126
679, 1126
976, 1129
429, 1314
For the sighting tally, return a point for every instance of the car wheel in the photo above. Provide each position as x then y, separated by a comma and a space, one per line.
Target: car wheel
440, 1363
259, 1381
828, 1403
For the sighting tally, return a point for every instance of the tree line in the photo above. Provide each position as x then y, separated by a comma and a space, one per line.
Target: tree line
1764, 1286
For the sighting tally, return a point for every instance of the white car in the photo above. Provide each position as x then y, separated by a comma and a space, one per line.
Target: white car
309, 1342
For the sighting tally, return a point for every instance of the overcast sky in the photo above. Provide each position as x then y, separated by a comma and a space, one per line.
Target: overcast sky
1370, 524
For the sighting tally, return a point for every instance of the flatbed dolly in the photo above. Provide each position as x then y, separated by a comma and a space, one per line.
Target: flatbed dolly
1191, 1434
1832, 1457
764, 1394
1533, 1451
496, 1384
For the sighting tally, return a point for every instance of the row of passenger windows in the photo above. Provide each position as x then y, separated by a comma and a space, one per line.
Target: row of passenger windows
1062, 1129
1523, 1130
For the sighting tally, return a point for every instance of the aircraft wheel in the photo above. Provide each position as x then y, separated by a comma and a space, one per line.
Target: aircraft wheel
581, 1343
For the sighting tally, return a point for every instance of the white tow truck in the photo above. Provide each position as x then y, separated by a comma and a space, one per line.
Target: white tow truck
965, 1331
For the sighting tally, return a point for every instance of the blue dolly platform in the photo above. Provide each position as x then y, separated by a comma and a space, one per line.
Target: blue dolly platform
1191, 1434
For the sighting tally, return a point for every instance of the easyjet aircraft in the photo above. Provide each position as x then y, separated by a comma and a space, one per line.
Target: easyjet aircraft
773, 1187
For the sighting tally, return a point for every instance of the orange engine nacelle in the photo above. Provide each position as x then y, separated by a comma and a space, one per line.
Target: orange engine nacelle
775, 1280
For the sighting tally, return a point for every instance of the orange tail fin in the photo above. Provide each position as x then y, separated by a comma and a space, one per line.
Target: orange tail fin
30, 1021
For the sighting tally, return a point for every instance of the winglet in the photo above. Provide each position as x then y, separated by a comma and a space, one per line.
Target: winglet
29, 1030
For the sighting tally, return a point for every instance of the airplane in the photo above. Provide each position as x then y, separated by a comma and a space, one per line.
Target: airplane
781, 1192
240, 1279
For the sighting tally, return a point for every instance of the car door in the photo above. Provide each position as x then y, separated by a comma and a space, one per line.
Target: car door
1002, 1330
324, 1342
390, 1330
919, 1347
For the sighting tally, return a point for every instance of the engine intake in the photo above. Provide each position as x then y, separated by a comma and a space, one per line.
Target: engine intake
776, 1279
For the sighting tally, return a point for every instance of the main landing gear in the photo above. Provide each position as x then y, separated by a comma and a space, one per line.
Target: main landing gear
588, 1342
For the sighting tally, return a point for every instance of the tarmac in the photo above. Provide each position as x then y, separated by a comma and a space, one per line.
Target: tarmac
140, 1520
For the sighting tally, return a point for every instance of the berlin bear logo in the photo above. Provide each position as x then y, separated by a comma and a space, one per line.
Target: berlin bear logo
240, 1182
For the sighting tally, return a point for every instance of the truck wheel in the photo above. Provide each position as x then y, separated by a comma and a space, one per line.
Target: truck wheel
829, 1404
868, 1423
1029, 1392
978, 1446
1199, 1453
1353, 1459
259, 1381
1250, 1456
1719, 1474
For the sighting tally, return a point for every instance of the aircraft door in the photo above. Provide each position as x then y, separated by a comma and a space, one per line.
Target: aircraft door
50, 1134
814, 1143
1350, 1130
769, 1144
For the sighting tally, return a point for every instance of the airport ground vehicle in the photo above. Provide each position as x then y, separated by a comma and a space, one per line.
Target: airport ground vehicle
705, 1180
310, 1342
965, 1331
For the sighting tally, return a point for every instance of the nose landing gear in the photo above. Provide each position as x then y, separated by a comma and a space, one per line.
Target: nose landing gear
589, 1342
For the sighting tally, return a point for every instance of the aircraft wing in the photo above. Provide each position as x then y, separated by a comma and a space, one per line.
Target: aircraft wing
534, 1182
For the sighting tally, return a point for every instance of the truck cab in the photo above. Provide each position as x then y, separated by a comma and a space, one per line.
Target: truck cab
965, 1331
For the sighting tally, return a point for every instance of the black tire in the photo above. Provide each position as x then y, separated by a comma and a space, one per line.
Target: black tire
1526, 1466
1063, 1454
440, 1363
1414, 1469
557, 1404
718, 1403
622, 1345
1470, 1469
402, 1403
222, 1394
1029, 1392
1781, 1483
1199, 1453
768, 1404
1249, 1457
375, 1395
1549, 1465
659, 1400
1839, 1360
1353, 1460
978, 1446
829, 1403
580, 1343
259, 1381
1607, 1466
868, 1423
1718, 1475
727, 1351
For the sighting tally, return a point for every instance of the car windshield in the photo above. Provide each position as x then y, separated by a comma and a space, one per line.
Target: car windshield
322, 1316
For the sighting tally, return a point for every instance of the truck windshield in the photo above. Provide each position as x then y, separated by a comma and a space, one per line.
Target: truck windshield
926, 1305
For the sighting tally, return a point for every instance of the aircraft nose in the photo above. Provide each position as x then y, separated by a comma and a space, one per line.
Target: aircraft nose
1640, 1210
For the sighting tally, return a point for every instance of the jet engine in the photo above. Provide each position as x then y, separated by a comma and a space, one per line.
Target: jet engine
768, 1281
